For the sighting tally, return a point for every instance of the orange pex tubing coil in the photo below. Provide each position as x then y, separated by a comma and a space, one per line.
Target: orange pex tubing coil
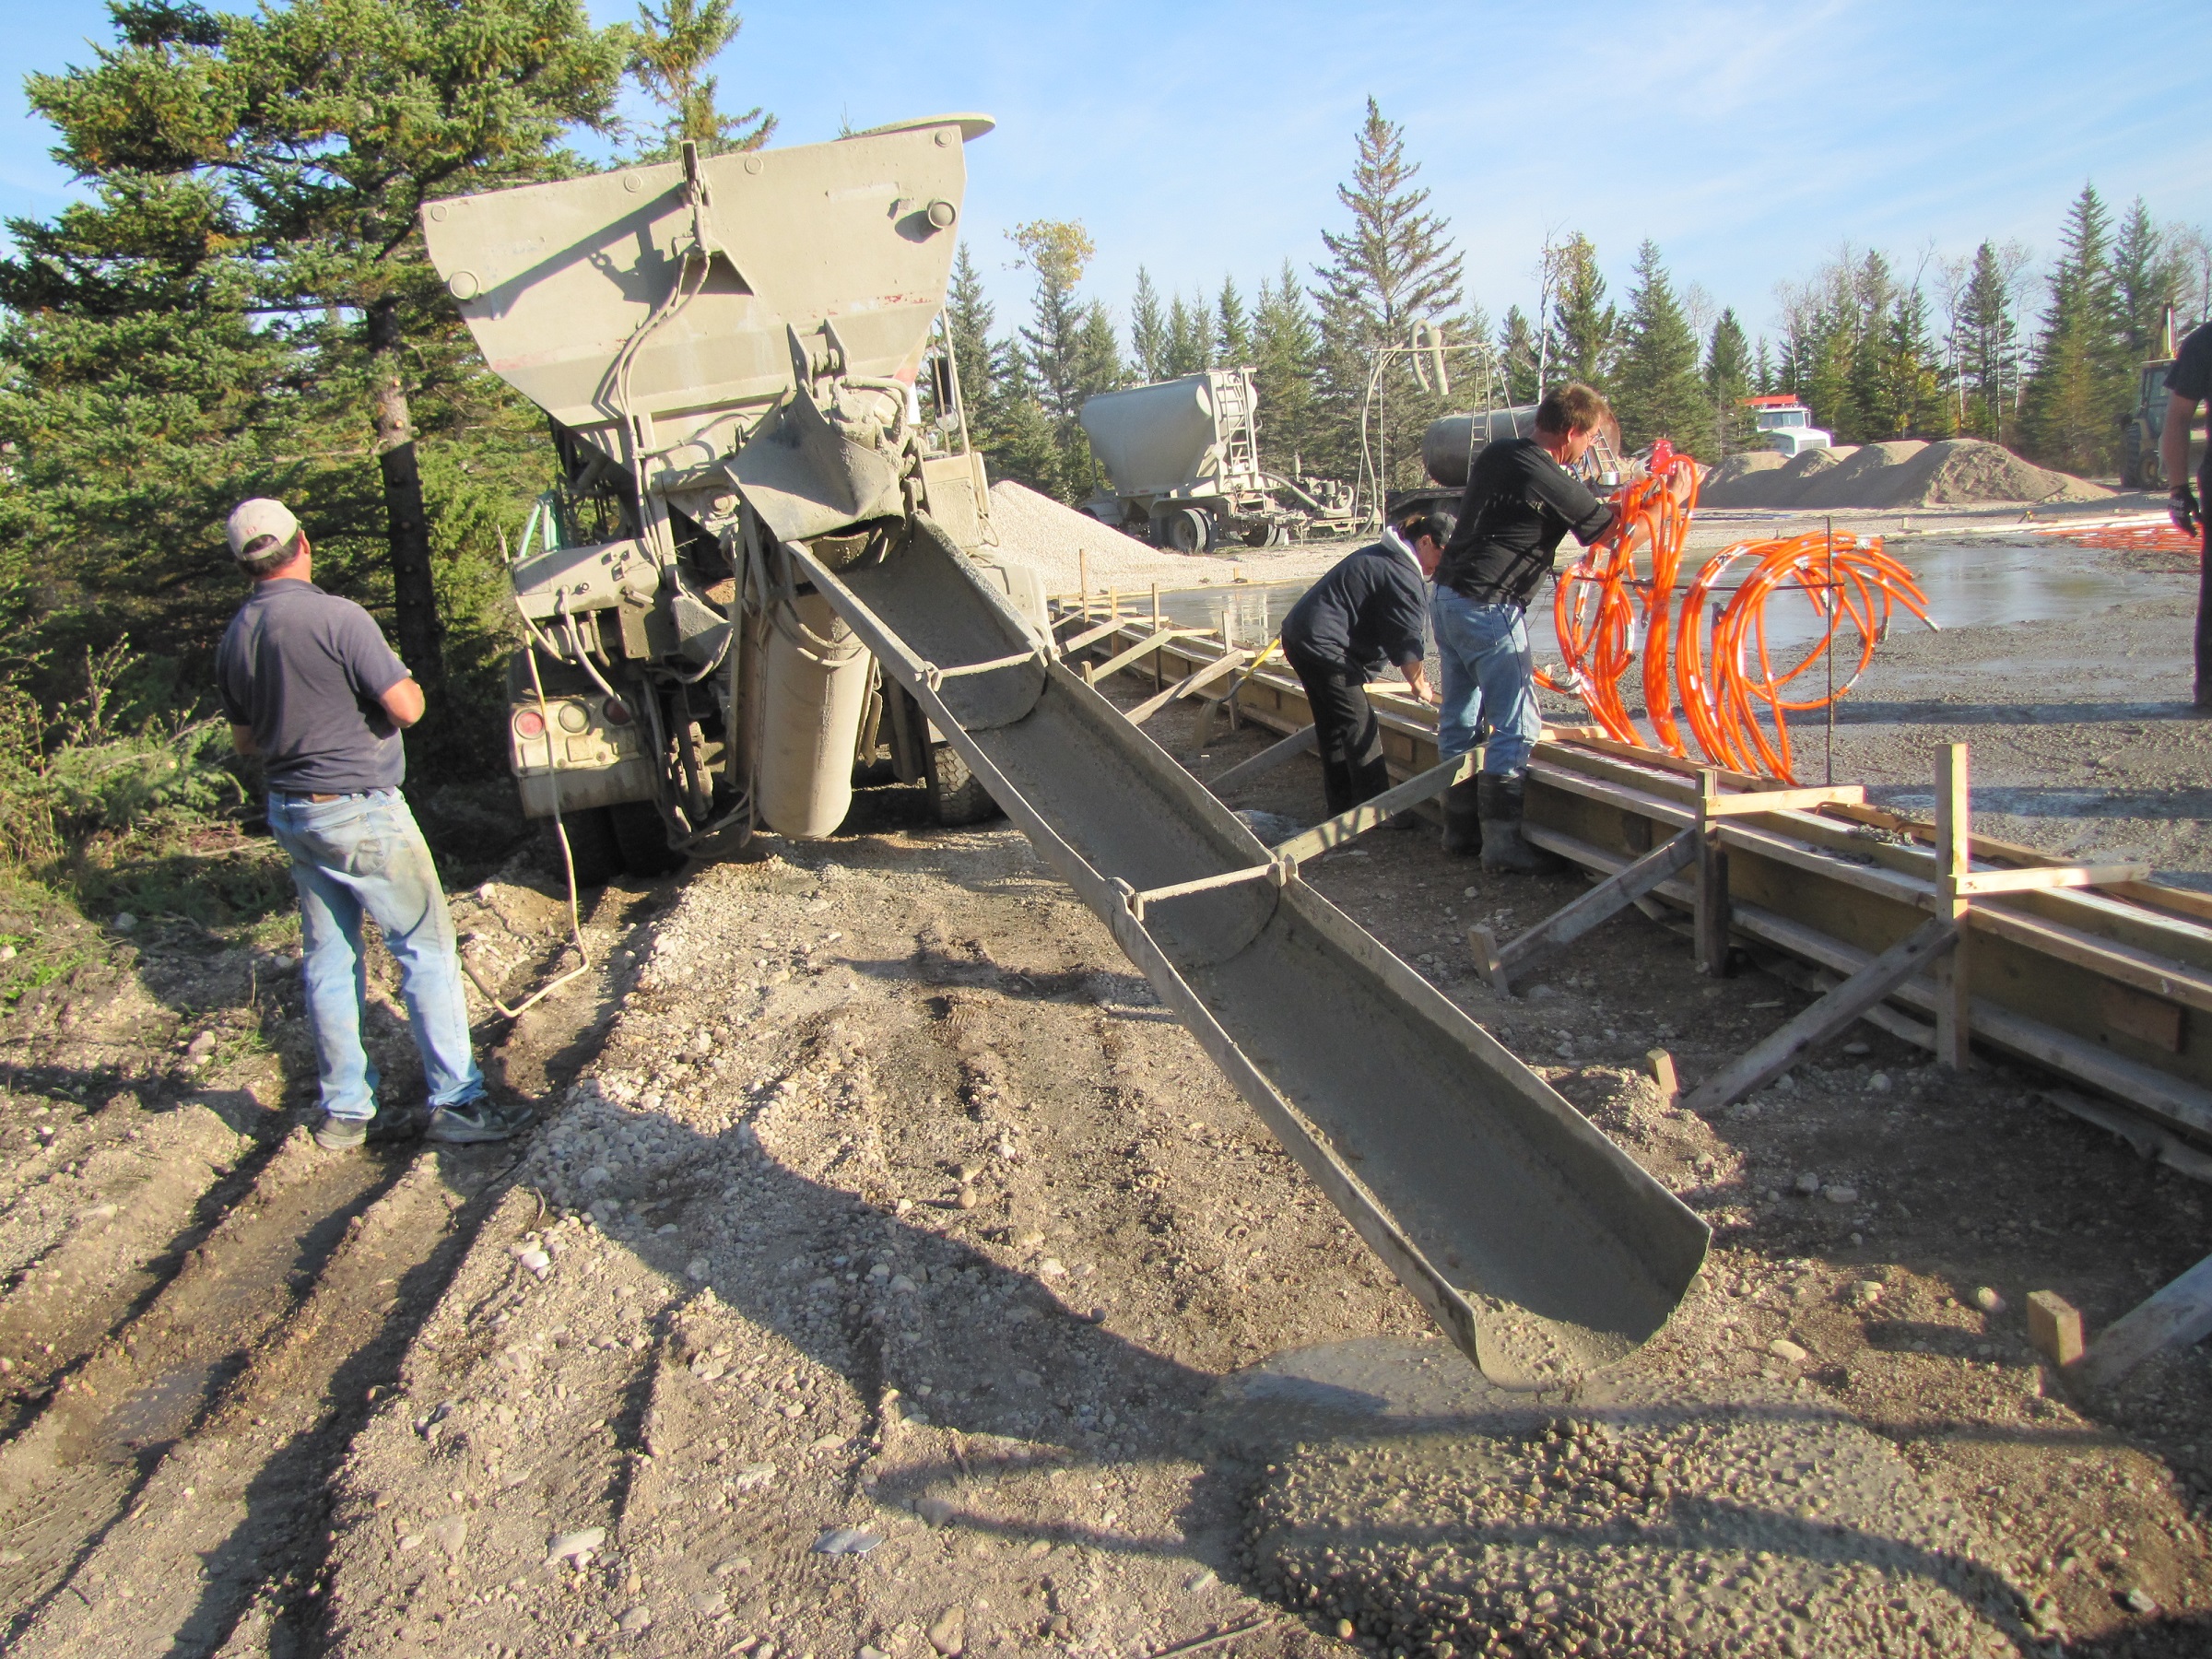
1617, 611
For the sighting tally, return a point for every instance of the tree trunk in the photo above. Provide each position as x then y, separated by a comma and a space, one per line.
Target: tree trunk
414, 594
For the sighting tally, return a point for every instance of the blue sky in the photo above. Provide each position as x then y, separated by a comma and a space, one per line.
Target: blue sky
1206, 140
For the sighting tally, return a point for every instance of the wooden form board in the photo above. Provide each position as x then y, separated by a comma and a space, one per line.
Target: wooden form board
2110, 986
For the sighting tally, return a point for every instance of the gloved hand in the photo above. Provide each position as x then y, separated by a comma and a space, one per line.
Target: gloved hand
2182, 505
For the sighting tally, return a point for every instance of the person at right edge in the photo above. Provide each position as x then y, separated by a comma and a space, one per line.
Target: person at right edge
2188, 383
1521, 500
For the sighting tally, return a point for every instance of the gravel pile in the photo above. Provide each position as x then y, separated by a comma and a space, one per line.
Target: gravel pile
1905, 473
1752, 1526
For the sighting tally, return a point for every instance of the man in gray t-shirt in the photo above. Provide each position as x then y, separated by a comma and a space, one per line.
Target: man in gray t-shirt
312, 689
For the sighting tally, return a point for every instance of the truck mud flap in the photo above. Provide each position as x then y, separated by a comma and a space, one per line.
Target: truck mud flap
1539, 1247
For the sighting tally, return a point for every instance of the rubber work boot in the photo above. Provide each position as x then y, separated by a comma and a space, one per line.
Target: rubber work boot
1463, 817
1503, 851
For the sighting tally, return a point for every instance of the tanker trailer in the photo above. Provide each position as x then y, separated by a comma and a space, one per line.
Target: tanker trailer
1182, 467
731, 349
661, 315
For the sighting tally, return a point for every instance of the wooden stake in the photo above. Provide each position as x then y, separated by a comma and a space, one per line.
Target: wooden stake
1083, 580
1711, 929
1954, 830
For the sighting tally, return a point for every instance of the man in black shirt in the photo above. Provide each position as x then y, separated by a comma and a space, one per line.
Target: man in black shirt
1360, 617
2188, 383
1520, 502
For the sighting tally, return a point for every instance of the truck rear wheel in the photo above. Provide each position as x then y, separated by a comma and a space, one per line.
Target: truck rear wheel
592, 847
1186, 529
2138, 460
644, 840
956, 795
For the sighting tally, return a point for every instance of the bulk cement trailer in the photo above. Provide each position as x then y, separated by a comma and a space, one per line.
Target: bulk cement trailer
768, 509
1181, 459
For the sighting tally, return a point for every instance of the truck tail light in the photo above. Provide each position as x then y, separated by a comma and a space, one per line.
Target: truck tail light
529, 723
618, 712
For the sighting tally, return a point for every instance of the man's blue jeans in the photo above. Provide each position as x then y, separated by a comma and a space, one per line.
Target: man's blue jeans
363, 855
1488, 680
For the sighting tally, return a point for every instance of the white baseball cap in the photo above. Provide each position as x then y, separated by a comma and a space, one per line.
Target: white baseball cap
260, 526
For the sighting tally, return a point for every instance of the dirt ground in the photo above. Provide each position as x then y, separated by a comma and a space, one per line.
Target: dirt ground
887, 1270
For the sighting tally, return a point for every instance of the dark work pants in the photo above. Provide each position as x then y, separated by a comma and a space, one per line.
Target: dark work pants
1347, 735
2204, 620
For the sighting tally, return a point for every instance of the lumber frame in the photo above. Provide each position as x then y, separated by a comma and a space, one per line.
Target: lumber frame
1571, 921
1954, 851
1841, 1008
1227, 663
1299, 742
1710, 916
1125, 658
2136, 936
2177, 1315
1335, 831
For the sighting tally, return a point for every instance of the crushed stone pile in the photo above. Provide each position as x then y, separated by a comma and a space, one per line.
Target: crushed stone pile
1957, 472
1747, 1525
1039, 531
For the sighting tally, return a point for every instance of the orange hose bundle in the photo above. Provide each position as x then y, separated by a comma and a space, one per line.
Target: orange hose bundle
1734, 697
2126, 538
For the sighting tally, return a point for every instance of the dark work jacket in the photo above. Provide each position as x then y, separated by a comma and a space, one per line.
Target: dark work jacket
1366, 613
1519, 504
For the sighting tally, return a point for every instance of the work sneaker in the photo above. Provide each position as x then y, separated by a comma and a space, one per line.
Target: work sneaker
471, 1121
341, 1134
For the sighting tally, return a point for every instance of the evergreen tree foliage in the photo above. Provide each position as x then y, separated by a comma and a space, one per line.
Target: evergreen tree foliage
1762, 372
1657, 393
1728, 381
2146, 279
273, 166
1190, 348
1517, 356
1285, 362
1988, 349
1392, 268
1586, 330
1149, 345
672, 48
1233, 328
1066, 354
969, 318
2082, 375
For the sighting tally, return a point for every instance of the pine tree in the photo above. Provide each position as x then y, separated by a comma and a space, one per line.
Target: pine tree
1067, 349
2080, 379
1586, 330
1285, 362
322, 127
1517, 356
672, 50
2146, 279
1148, 331
968, 318
1190, 339
1988, 349
1658, 392
1233, 328
1763, 376
1864, 323
1728, 380
1392, 268
1914, 400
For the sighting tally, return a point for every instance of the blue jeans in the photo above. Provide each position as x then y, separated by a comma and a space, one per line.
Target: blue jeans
363, 855
1488, 680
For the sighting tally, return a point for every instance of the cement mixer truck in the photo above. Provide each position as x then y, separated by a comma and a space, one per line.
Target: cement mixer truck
770, 546
681, 689
1181, 459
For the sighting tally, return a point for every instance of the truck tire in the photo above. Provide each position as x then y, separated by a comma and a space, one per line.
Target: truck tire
644, 840
2139, 461
592, 847
1186, 529
956, 795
